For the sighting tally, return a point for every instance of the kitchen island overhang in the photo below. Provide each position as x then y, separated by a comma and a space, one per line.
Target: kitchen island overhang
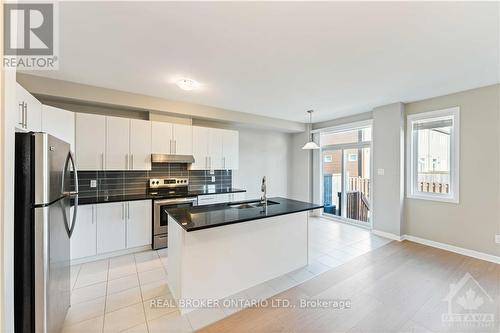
217, 251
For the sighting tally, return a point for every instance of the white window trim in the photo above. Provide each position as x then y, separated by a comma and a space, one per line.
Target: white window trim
453, 196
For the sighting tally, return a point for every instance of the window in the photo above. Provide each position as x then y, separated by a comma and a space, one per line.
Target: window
433, 139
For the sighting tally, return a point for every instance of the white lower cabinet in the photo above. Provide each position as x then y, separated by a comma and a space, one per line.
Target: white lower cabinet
139, 223
83, 239
111, 225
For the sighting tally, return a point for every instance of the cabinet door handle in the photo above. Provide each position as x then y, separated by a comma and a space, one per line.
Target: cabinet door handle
93, 214
175, 146
131, 161
128, 210
123, 211
210, 161
102, 161
171, 148
21, 121
126, 162
25, 115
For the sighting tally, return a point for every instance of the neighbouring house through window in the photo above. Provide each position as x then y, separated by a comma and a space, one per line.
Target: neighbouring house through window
433, 155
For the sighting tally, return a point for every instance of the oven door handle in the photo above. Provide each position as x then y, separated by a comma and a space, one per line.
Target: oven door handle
174, 201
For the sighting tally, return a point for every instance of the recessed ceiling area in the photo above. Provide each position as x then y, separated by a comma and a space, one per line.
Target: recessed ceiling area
281, 59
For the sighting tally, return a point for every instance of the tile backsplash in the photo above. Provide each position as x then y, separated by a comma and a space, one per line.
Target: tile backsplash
109, 183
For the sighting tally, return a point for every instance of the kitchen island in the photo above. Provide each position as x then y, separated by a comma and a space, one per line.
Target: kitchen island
218, 250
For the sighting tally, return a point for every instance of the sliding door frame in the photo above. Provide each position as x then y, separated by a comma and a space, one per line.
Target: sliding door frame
342, 147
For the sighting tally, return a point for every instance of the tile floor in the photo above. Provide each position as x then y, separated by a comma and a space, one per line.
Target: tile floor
117, 294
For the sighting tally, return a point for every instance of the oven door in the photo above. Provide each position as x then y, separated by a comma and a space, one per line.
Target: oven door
160, 224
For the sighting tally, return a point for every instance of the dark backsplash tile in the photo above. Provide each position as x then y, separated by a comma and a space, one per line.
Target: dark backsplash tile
136, 182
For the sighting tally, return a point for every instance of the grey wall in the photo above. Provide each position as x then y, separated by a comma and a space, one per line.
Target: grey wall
263, 153
388, 154
300, 169
473, 222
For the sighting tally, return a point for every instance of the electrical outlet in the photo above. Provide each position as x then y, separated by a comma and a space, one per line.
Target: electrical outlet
213, 179
497, 239
380, 172
93, 183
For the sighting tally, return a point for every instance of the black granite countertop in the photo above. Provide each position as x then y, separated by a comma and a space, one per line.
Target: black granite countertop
211, 216
87, 200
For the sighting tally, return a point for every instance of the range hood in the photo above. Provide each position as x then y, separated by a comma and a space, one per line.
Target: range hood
170, 158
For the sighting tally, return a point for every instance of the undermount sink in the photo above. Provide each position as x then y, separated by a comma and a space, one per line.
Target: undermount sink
252, 204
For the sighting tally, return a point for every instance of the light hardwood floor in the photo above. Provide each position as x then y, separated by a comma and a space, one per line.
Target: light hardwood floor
400, 287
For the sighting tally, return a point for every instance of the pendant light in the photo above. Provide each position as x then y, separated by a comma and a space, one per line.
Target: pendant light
311, 144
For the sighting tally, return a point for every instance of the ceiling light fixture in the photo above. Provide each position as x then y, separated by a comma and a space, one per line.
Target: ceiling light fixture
311, 144
187, 84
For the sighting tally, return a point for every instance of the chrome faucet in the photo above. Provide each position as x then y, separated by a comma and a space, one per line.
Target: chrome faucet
263, 198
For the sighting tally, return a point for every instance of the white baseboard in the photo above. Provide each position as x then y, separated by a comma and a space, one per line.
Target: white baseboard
456, 249
442, 246
388, 235
110, 255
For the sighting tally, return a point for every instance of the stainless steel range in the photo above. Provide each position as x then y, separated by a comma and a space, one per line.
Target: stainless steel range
173, 193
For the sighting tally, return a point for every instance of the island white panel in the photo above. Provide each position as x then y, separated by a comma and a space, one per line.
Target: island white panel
217, 262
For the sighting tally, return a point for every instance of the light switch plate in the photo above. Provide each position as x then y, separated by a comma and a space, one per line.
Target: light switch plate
213, 179
93, 183
497, 239
380, 172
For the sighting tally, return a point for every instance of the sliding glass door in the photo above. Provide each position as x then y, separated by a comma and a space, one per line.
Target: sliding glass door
346, 168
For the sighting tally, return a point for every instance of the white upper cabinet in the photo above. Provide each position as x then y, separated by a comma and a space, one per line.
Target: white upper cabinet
117, 143
215, 149
215, 140
167, 138
90, 141
161, 137
59, 123
29, 111
230, 150
182, 136
140, 145
200, 148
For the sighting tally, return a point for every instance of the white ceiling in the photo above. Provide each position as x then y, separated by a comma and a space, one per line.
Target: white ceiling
281, 59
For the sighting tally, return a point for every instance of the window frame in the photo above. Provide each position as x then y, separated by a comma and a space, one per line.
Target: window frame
412, 161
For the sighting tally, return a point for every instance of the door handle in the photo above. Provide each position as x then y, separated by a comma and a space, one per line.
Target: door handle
21, 122
73, 194
25, 115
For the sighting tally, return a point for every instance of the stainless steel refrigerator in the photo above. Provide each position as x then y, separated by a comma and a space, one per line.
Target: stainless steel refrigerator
46, 187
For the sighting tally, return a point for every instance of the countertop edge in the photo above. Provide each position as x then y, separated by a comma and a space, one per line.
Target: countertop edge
244, 219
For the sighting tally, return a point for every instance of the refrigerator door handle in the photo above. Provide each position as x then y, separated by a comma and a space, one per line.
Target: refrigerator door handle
72, 194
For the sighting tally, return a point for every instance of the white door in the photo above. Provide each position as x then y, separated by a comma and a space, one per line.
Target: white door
139, 223
29, 112
83, 239
183, 139
215, 142
90, 141
230, 159
59, 123
111, 226
161, 134
140, 145
200, 148
117, 143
